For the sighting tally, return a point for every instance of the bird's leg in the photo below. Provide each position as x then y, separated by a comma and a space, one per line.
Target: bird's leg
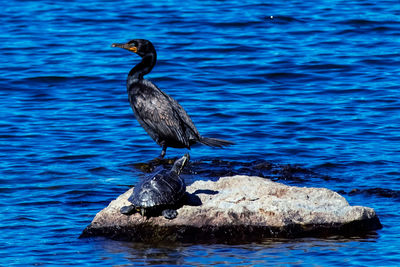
163, 151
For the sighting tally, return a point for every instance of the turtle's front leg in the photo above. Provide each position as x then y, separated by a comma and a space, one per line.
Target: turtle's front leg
128, 210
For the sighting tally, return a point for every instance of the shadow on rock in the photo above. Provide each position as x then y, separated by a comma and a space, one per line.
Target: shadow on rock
206, 191
193, 200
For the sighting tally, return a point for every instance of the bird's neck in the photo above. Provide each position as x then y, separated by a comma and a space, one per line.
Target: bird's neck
144, 67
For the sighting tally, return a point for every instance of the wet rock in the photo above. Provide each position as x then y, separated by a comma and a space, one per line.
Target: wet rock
215, 168
240, 209
380, 192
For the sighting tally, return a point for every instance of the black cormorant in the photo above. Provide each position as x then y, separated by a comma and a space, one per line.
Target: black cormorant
163, 118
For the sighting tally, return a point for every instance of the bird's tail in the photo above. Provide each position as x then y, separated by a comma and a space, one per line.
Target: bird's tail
215, 142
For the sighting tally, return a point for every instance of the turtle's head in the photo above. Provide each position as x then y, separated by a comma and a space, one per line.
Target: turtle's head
180, 164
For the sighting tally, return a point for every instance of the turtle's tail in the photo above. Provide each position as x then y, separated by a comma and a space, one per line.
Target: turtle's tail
215, 142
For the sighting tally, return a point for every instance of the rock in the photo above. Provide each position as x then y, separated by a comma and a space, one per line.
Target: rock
240, 209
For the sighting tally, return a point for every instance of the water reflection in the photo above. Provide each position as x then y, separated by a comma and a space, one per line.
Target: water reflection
267, 252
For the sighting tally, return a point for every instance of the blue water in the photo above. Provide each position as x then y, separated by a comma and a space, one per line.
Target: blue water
307, 83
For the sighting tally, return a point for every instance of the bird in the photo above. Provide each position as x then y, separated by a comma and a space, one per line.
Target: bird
162, 117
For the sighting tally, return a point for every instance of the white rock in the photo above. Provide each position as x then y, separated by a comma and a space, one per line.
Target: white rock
240, 209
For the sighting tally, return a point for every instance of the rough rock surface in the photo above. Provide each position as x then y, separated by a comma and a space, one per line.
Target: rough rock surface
240, 209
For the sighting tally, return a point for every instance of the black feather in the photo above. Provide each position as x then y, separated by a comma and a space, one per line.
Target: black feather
163, 118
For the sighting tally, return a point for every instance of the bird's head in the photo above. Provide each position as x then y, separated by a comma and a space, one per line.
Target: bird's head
141, 47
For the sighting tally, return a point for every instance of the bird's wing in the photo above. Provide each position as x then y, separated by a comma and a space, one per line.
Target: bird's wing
186, 121
163, 116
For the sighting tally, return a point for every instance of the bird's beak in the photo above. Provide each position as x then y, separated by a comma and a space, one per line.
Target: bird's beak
125, 46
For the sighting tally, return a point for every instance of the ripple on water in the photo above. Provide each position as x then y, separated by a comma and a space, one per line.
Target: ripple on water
308, 91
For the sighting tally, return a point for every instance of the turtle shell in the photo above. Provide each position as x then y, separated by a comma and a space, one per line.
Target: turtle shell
163, 188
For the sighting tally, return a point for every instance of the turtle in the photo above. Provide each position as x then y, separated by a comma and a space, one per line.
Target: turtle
162, 192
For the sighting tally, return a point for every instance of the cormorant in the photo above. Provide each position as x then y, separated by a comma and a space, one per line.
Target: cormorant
163, 118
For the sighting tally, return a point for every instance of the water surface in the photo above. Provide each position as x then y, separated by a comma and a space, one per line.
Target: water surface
310, 84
